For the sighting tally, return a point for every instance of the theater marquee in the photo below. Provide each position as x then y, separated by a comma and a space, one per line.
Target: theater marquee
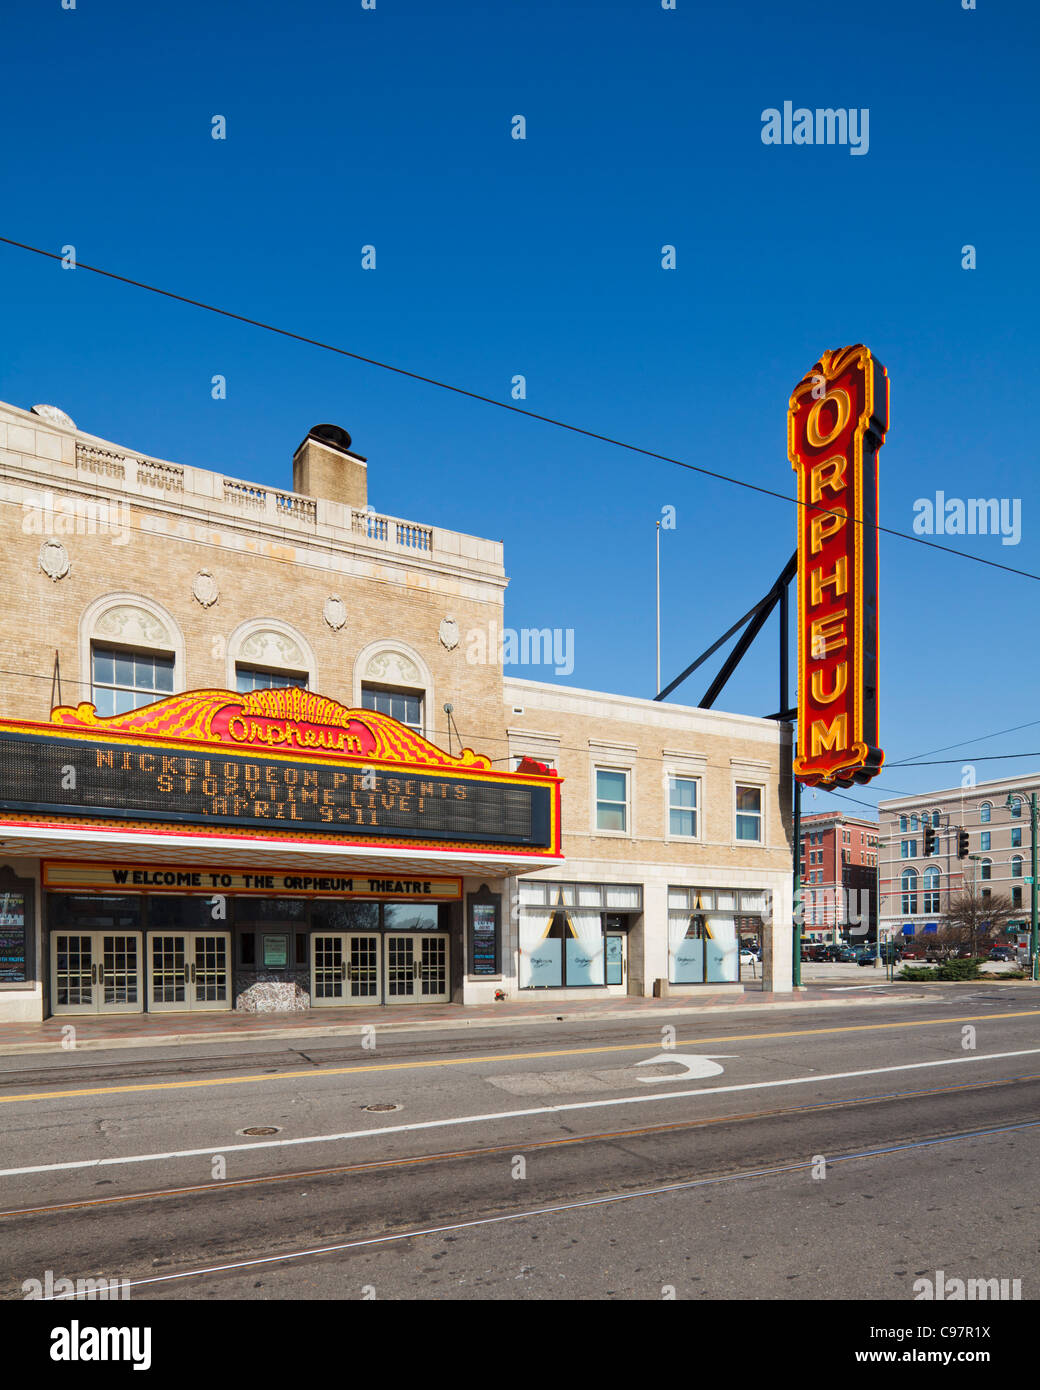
271, 762
836, 424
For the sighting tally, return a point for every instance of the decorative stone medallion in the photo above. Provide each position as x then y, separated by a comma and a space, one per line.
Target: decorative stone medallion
204, 587
449, 633
334, 612
54, 560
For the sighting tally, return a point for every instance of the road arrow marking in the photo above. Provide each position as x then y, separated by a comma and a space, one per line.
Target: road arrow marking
695, 1065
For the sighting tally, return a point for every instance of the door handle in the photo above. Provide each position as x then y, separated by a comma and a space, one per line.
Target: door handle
193, 972
93, 974
416, 969
346, 972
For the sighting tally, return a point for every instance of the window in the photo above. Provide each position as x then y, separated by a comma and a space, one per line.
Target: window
913, 822
611, 799
908, 849
126, 680
985, 812
935, 819
908, 883
931, 889
1016, 866
682, 806
1016, 896
1016, 806
986, 869
749, 813
1016, 837
256, 678
903, 826
984, 840
403, 705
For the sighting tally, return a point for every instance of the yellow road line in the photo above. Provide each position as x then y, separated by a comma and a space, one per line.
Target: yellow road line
504, 1057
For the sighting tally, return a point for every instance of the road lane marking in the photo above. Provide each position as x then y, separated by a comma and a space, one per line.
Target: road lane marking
501, 1057
696, 1065
502, 1115
687, 1185
526, 1146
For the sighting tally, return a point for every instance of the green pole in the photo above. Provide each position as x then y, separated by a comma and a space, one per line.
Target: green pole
796, 915
1034, 961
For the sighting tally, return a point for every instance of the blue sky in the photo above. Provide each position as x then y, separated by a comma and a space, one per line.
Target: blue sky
542, 257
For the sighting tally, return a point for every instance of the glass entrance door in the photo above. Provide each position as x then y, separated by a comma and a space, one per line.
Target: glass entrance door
417, 968
96, 973
344, 969
189, 970
615, 959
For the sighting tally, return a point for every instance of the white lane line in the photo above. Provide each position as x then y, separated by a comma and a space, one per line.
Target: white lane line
218, 1148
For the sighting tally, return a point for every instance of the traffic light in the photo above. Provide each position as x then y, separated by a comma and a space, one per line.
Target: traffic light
929, 839
962, 844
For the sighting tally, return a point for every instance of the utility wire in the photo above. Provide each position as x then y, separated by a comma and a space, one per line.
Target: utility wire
505, 405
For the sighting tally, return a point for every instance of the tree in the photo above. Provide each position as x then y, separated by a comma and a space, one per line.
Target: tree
974, 921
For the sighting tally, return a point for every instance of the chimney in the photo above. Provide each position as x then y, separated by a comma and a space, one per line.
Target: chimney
324, 466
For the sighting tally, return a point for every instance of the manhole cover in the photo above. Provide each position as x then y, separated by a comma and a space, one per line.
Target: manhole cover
382, 1106
261, 1129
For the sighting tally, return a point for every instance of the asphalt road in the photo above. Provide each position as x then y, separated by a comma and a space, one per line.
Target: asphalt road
832, 1154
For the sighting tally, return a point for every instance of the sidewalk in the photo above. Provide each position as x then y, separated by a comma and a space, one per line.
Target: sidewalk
165, 1030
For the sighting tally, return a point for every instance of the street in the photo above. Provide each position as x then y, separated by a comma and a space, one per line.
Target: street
794, 1154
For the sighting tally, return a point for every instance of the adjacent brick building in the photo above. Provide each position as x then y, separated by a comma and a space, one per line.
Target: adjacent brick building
839, 874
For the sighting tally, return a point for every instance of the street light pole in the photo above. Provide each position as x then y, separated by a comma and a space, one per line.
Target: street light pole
1034, 959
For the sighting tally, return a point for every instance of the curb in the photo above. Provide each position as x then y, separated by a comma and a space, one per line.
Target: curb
462, 1025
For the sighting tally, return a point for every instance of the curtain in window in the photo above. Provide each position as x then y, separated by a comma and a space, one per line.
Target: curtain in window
685, 955
585, 951
721, 948
541, 960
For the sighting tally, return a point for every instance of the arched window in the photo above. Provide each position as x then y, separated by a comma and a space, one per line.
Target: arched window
985, 812
931, 889
935, 818
1016, 866
1016, 806
131, 651
908, 883
393, 679
986, 869
265, 653
913, 822
902, 825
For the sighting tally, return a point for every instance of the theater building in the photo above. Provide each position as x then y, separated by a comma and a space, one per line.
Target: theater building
249, 761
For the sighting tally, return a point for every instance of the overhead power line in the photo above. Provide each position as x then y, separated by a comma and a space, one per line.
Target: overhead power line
505, 405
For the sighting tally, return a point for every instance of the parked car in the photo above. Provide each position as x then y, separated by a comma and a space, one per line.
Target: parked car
913, 953
866, 958
748, 957
1000, 953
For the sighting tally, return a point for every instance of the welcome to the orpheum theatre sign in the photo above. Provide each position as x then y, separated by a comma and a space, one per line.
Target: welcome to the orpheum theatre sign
274, 761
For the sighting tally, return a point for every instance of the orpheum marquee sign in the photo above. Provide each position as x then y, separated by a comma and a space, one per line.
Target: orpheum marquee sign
274, 761
836, 424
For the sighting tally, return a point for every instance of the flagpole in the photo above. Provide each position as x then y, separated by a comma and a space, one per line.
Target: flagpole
657, 687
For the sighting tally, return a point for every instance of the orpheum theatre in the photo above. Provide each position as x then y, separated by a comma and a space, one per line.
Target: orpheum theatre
258, 752
320, 854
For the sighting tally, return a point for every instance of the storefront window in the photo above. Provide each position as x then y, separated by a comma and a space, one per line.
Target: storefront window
410, 916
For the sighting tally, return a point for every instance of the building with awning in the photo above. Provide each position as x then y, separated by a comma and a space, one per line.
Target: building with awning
252, 757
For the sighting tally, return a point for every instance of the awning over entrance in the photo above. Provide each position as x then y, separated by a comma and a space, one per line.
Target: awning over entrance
271, 780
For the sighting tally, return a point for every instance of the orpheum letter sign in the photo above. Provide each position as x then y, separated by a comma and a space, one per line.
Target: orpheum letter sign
836, 424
